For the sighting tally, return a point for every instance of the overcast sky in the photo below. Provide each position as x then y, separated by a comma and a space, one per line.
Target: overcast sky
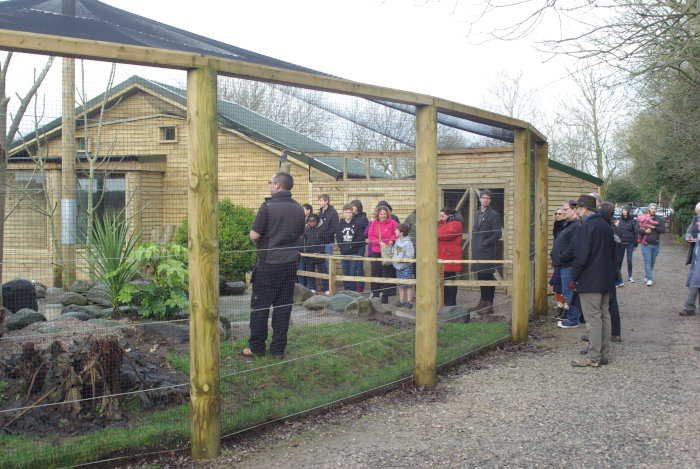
414, 45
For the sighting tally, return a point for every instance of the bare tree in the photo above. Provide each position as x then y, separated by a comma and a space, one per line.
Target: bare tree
508, 96
8, 135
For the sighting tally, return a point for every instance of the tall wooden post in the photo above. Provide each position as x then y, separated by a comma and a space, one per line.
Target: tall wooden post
541, 228
425, 373
521, 225
68, 189
203, 241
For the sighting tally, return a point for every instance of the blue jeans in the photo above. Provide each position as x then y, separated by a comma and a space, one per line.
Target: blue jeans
357, 267
301, 280
649, 252
573, 315
328, 249
629, 249
347, 270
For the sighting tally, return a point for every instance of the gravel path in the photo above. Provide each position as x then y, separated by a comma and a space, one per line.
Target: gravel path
525, 406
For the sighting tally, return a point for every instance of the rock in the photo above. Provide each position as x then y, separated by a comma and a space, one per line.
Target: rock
99, 295
225, 322
107, 312
79, 315
23, 318
351, 294
361, 307
80, 286
378, 307
340, 302
139, 282
180, 315
92, 310
18, 294
40, 290
317, 302
72, 298
175, 333
453, 314
301, 293
234, 288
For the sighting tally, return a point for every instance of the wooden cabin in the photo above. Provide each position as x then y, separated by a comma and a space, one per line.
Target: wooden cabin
140, 156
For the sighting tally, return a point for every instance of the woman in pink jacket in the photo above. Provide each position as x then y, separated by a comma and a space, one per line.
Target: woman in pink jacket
382, 226
450, 248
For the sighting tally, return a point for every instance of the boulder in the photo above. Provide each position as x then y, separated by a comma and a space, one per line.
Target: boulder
301, 293
175, 333
339, 302
317, 302
351, 294
361, 307
139, 282
107, 312
72, 298
453, 314
79, 315
40, 290
23, 318
87, 309
233, 288
19, 294
53, 294
99, 295
378, 307
80, 286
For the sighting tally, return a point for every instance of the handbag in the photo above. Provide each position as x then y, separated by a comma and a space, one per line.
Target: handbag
387, 250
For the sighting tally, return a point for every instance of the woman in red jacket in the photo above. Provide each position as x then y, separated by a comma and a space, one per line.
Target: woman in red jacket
382, 225
450, 248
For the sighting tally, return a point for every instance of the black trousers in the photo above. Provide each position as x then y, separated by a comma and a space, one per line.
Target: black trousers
487, 293
386, 271
614, 314
271, 288
449, 294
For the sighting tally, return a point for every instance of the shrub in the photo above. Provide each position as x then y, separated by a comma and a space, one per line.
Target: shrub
166, 294
236, 252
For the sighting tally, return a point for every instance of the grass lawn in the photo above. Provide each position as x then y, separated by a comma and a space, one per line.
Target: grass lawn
324, 363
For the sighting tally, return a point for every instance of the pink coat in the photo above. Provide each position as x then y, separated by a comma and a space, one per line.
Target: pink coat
645, 220
388, 233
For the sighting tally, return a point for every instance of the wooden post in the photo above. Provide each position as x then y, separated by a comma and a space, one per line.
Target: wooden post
521, 244
541, 228
69, 204
202, 207
441, 286
425, 373
331, 276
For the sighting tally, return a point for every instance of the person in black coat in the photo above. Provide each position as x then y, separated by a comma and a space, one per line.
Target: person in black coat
628, 239
562, 258
593, 273
486, 232
691, 236
357, 267
314, 244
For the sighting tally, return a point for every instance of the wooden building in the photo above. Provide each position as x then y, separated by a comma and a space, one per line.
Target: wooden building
140, 153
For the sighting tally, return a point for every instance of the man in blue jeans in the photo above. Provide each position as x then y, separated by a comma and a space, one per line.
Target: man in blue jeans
562, 258
651, 249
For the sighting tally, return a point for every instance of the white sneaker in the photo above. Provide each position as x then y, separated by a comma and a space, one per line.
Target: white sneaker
312, 290
646, 279
631, 280
650, 283
328, 292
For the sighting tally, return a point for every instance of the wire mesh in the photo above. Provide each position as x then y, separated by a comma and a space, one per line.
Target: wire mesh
97, 341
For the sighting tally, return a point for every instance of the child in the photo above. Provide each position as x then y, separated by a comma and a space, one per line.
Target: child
301, 280
403, 249
313, 243
349, 236
644, 219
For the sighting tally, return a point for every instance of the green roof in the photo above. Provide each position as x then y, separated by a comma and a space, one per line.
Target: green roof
575, 172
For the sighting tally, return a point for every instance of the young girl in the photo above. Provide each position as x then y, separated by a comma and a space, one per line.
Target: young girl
403, 249
645, 221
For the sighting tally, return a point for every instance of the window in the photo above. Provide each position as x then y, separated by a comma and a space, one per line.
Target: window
167, 134
108, 197
80, 144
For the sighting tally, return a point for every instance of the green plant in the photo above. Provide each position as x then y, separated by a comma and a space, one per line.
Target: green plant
166, 293
3, 387
179, 361
108, 254
236, 252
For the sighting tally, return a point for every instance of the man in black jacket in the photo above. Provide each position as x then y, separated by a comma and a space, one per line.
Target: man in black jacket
651, 249
486, 231
277, 230
328, 223
593, 276
562, 258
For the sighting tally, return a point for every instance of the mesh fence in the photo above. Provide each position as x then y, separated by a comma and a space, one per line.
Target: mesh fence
96, 338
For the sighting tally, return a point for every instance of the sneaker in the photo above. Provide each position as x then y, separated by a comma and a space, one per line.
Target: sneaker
567, 324
650, 283
408, 305
399, 304
582, 362
619, 284
645, 279
328, 292
603, 361
584, 351
631, 280
615, 338
584, 337
312, 290
687, 313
